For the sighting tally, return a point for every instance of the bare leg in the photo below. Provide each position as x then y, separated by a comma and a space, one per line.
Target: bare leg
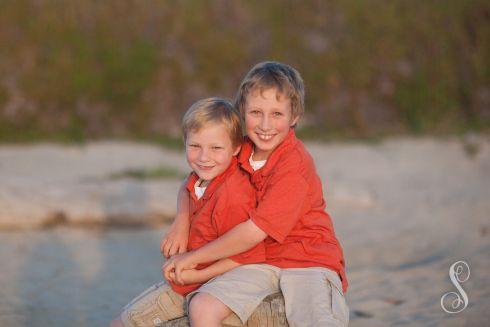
207, 311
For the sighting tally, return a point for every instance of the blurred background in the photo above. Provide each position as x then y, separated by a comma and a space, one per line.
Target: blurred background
78, 70
397, 121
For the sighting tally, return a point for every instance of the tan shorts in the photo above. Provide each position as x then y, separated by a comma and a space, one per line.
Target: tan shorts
312, 296
153, 307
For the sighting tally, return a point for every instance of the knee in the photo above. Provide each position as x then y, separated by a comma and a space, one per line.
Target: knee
201, 305
206, 310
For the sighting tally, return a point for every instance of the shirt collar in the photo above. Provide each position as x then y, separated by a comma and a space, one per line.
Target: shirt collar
247, 148
213, 185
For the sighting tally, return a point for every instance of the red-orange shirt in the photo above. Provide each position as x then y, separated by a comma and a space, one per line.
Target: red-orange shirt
226, 203
291, 209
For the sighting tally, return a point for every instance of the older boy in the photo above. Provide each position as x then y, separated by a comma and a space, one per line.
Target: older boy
213, 136
303, 257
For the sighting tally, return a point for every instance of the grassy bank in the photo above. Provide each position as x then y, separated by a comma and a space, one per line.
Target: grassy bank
121, 69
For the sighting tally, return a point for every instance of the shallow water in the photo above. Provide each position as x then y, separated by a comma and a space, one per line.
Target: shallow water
83, 277
74, 277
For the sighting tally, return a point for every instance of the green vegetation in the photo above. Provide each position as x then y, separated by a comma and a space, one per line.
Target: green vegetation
78, 70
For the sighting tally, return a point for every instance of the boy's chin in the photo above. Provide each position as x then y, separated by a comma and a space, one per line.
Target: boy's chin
265, 148
206, 177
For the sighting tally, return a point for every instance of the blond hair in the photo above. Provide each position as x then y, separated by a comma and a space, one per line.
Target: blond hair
271, 74
213, 111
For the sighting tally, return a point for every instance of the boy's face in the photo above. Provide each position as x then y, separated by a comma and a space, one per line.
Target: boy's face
268, 117
209, 151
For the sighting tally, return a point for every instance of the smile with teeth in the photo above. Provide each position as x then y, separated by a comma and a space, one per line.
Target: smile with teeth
264, 137
205, 167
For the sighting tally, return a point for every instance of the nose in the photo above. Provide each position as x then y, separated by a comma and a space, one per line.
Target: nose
265, 123
203, 155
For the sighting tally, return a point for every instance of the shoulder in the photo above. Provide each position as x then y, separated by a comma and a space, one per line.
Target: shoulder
297, 159
234, 199
236, 188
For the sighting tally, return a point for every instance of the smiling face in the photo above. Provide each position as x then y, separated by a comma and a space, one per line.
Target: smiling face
268, 117
209, 151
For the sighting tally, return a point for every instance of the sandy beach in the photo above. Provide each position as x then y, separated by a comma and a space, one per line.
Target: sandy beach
79, 235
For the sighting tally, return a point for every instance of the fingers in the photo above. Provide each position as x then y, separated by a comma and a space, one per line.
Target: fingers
174, 280
178, 276
176, 265
163, 245
178, 270
167, 249
182, 249
167, 274
172, 276
167, 269
174, 248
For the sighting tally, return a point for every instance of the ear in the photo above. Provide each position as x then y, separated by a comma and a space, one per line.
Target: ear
294, 121
237, 150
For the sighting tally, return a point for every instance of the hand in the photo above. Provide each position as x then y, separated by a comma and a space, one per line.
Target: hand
172, 269
188, 276
175, 241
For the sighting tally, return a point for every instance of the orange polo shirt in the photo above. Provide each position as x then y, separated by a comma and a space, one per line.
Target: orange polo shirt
291, 209
226, 203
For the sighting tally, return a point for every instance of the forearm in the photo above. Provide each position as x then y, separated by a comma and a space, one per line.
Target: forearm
241, 238
217, 268
183, 204
181, 220
175, 240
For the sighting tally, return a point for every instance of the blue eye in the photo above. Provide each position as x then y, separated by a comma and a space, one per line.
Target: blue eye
277, 113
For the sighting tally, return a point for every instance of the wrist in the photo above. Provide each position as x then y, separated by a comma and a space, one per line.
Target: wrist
180, 225
195, 257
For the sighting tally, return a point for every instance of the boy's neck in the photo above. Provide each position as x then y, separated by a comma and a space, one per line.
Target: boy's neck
203, 182
259, 156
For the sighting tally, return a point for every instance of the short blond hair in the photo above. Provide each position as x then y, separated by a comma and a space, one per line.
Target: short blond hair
271, 74
213, 111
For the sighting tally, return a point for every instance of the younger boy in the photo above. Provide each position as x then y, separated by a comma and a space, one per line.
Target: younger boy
303, 257
213, 136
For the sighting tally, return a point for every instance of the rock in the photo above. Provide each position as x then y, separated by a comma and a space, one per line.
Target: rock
270, 312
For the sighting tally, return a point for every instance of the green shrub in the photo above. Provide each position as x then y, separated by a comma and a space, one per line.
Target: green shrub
92, 69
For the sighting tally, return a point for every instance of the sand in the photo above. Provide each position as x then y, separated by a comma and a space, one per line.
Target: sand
404, 210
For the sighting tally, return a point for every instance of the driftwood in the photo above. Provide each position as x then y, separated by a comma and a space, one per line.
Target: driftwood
269, 313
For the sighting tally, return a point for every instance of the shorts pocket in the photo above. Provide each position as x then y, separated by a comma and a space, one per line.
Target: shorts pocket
154, 306
144, 294
340, 311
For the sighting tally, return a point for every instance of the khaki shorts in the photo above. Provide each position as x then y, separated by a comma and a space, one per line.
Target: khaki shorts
312, 296
153, 307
